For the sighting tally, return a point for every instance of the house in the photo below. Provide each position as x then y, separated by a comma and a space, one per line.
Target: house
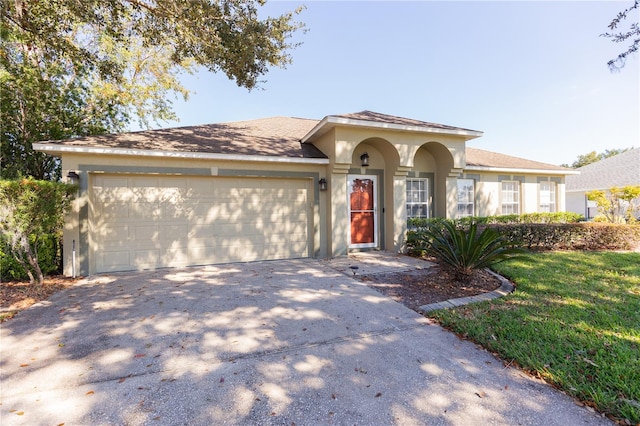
619, 170
281, 187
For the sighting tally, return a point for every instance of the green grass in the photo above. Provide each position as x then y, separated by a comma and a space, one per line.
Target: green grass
573, 320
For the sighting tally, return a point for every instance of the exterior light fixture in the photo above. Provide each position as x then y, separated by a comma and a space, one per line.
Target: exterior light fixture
364, 160
73, 177
322, 184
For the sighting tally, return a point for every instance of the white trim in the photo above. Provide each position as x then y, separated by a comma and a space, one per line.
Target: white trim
518, 170
332, 121
56, 148
374, 180
428, 196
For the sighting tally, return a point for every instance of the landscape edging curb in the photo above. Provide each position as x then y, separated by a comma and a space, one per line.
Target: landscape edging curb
506, 287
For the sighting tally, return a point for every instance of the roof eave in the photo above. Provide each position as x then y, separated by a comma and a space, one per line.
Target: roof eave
330, 122
56, 149
519, 170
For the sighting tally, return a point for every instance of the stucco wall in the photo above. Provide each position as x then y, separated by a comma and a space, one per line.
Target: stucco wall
489, 187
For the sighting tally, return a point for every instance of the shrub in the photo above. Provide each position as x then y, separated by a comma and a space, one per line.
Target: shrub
556, 217
618, 204
29, 210
418, 226
463, 250
49, 258
543, 236
572, 236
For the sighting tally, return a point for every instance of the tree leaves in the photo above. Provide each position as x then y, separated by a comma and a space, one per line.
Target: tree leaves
632, 33
28, 210
82, 68
592, 157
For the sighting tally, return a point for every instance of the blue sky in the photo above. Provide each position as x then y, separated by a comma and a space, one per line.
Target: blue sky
531, 75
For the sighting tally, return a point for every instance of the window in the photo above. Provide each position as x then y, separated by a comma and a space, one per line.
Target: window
466, 195
418, 198
510, 197
547, 197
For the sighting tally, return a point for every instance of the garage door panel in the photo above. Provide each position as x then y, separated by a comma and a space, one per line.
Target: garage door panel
115, 233
143, 211
179, 232
224, 229
114, 260
146, 259
143, 182
111, 181
113, 211
147, 233
168, 182
143, 222
176, 211
202, 231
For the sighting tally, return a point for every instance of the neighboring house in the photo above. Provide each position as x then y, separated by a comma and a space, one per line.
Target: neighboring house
619, 170
279, 188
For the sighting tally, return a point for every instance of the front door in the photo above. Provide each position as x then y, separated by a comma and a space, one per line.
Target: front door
362, 211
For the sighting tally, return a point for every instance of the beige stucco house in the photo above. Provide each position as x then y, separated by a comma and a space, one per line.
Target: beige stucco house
280, 188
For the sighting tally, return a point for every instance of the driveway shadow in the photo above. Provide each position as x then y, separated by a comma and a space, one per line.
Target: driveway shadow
283, 342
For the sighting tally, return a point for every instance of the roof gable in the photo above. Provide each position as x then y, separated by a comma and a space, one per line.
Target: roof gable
375, 120
376, 117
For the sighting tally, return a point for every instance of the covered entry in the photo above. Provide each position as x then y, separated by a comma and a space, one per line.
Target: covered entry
149, 221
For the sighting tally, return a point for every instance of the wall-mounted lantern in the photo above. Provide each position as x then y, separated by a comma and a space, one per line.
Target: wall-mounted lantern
322, 184
73, 177
364, 160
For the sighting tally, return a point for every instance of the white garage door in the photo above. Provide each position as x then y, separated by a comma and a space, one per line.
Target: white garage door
144, 222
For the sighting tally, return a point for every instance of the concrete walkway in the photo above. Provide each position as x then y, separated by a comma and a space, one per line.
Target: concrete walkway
285, 342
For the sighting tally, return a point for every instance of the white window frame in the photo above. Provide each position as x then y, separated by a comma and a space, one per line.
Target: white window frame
547, 194
510, 197
466, 198
414, 199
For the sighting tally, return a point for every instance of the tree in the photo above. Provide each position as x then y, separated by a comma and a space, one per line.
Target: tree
78, 68
632, 33
30, 209
617, 204
592, 157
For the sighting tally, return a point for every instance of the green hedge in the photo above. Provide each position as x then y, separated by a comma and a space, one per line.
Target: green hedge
557, 217
49, 255
572, 236
541, 231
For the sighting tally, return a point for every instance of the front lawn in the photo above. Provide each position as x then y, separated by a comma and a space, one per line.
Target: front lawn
573, 320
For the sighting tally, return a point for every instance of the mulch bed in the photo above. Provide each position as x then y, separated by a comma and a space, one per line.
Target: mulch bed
423, 286
18, 295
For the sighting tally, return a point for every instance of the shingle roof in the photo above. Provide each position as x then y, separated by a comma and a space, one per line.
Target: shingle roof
482, 158
275, 136
620, 170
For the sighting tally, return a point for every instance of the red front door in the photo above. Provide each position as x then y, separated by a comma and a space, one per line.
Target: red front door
362, 211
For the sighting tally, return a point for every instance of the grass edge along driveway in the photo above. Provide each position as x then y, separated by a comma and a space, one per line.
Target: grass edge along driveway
574, 320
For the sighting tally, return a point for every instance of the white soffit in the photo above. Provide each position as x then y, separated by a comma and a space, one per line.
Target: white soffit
517, 170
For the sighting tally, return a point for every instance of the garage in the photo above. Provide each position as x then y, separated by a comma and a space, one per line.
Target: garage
141, 222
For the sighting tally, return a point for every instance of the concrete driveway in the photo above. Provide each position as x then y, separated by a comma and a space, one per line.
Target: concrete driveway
284, 342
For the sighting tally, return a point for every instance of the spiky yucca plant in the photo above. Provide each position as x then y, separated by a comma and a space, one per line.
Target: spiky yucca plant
464, 251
